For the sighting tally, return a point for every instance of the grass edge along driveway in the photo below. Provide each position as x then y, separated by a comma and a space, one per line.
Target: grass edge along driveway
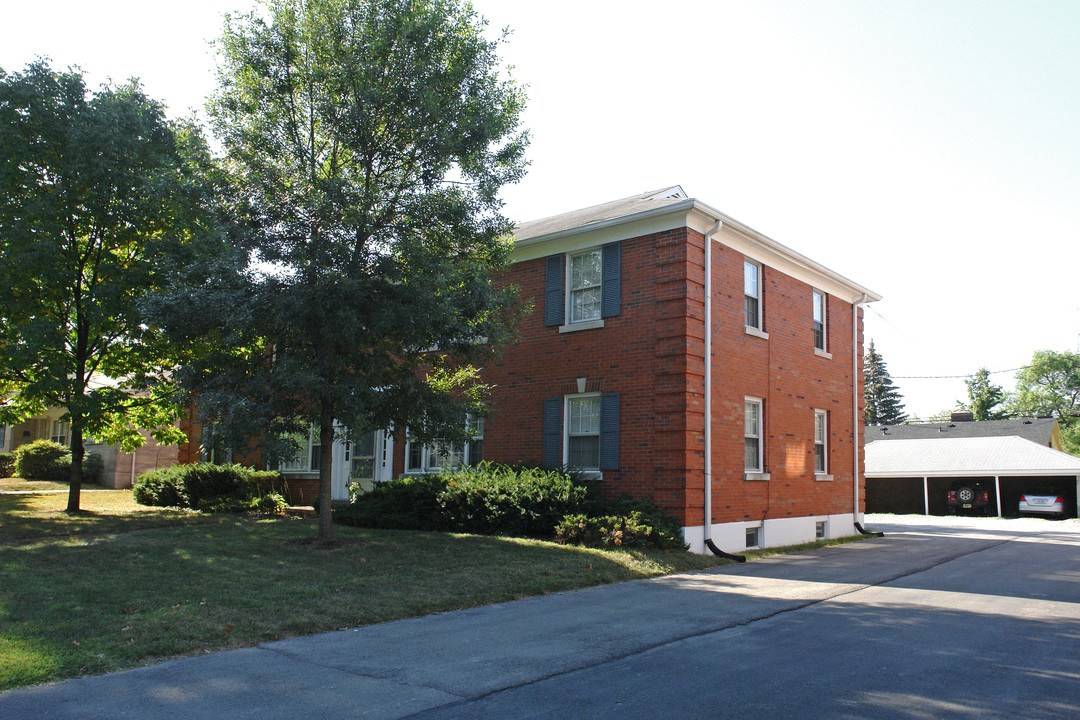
122, 585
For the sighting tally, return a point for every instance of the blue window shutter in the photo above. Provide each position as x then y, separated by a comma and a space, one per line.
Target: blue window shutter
551, 452
554, 305
609, 431
610, 292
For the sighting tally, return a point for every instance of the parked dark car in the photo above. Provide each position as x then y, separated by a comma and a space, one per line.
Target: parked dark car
970, 497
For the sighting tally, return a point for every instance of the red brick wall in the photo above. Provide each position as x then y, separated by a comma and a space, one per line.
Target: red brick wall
792, 381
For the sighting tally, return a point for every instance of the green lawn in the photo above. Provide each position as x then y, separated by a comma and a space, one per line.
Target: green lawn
122, 585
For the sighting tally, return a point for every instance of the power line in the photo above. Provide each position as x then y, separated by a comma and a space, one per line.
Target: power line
953, 377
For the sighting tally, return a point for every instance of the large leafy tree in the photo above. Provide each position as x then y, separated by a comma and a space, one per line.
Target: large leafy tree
883, 403
984, 397
1050, 385
95, 209
367, 140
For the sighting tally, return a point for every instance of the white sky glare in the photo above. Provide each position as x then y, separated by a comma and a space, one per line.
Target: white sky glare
929, 150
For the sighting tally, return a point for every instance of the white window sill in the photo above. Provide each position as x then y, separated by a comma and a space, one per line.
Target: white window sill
750, 330
821, 353
756, 476
822, 477
583, 325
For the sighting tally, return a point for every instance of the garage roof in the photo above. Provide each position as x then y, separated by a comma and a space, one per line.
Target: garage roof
961, 457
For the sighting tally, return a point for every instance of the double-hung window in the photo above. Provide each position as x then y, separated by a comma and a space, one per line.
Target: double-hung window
821, 428
585, 286
752, 294
754, 446
583, 432
819, 321
439, 455
59, 432
307, 458
582, 288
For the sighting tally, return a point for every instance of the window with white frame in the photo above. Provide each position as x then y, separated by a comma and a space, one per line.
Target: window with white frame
819, 320
821, 428
583, 431
59, 433
754, 447
582, 288
438, 455
585, 280
752, 294
821, 530
753, 537
307, 459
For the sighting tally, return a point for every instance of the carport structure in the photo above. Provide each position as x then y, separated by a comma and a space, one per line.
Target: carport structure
914, 476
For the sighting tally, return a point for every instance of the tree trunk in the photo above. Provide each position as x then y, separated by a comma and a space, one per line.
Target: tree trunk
326, 466
77, 454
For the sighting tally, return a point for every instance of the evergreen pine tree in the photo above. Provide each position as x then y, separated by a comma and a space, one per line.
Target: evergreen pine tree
883, 403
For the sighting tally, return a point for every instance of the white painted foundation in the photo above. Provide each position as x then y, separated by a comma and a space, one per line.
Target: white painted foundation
731, 537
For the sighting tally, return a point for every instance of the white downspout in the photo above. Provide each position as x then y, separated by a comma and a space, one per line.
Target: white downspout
855, 419
709, 401
707, 538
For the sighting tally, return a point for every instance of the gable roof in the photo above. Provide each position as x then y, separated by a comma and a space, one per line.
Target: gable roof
1037, 430
963, 457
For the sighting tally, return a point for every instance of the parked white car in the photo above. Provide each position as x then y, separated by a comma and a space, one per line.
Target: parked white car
1042, 504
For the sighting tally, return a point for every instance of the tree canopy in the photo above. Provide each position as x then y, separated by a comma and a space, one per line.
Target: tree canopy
366, 142
1050, 385
984, 397
95, 209
883, 403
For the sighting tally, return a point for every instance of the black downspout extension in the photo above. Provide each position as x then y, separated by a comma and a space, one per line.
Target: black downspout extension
859, 527
717, 551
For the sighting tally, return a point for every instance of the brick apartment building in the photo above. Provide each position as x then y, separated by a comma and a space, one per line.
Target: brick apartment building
753, 425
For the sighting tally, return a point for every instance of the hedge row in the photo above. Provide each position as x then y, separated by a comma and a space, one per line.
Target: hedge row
209, 487
48, 460
494, 499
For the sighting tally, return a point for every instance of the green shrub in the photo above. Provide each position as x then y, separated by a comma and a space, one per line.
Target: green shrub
7, 465
43, 460
160, 487
633, 523
93, 468
500, 500
209, 487
270, 504
487, 499
407, 503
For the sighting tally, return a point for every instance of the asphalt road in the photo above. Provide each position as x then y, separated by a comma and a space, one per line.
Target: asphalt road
942, 618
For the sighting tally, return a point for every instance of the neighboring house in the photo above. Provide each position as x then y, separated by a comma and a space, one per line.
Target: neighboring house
1040, 430
119, 468
915, 475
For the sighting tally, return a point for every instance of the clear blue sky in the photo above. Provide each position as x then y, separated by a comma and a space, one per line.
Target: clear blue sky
927, 150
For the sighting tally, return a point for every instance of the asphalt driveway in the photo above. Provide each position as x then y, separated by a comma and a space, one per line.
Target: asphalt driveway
943, 617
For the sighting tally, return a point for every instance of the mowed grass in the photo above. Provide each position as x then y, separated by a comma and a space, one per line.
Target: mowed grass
123, 585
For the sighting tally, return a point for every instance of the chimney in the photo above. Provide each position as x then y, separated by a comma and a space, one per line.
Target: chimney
961, 417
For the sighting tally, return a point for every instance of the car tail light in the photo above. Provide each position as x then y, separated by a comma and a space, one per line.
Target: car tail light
952, 495
985, 497
1023, 498
1060, 500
